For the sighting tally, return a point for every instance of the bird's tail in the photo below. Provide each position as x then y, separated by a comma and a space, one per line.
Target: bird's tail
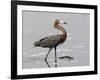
36, 44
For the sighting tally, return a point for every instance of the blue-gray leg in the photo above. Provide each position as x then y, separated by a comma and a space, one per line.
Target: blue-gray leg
46, 58
55, 57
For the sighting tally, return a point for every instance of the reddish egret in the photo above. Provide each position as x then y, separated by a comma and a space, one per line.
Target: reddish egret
54, 40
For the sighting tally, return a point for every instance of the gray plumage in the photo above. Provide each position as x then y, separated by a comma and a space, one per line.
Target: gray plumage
49, 42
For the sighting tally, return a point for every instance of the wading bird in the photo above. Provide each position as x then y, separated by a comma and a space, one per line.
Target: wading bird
54, 40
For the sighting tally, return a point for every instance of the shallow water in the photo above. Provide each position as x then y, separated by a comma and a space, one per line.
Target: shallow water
76, 44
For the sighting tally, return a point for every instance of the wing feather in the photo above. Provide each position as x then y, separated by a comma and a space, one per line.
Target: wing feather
50, 41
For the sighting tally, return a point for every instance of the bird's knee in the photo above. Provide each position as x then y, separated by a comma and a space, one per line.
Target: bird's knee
45, 59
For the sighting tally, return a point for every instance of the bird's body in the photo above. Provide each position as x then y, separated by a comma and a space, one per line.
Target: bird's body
53, 41
50, 42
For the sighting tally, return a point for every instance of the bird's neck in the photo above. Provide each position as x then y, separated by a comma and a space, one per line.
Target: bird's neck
64, 33
62, 30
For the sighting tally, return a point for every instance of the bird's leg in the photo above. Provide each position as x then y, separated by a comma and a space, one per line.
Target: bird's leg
55, 57
48, 53
47, 63
47, 56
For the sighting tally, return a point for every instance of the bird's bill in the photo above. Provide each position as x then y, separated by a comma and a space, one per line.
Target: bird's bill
62, 22
65, 23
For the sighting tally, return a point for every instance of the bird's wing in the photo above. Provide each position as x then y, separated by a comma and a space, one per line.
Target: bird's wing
53, 40
43, 38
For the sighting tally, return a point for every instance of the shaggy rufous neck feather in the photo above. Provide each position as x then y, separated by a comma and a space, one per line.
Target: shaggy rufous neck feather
64, 33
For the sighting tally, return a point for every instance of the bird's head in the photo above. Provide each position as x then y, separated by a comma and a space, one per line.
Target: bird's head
57, 22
